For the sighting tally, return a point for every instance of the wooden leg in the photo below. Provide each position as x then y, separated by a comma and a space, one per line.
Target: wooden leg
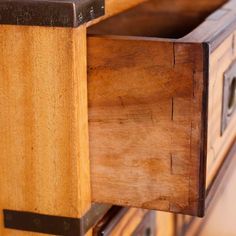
43, 122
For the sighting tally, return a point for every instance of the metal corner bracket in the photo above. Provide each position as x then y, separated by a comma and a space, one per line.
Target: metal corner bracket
55, 13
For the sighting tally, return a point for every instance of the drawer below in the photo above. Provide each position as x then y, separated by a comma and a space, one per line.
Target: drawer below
220, 215
156, 106
127, 221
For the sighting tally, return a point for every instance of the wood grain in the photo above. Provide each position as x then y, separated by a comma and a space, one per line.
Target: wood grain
43, 122
145, 117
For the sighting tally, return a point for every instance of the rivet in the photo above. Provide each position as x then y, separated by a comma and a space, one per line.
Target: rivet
37, 222
92, 12
66, 226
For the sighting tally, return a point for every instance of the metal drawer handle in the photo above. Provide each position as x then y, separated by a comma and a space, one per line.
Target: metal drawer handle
229, 96
232, 96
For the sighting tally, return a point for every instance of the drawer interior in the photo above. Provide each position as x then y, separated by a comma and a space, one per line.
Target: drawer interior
155, 19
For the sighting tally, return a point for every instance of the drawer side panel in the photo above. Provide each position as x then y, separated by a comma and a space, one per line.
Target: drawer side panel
145, 121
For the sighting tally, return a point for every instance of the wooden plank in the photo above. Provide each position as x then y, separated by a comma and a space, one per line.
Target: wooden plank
43, 122
145, 121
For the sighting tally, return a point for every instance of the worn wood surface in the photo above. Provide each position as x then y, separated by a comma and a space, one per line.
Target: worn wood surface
153, 119
43, 122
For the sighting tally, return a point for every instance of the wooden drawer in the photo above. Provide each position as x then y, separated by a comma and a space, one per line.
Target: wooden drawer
156, 82
125, 221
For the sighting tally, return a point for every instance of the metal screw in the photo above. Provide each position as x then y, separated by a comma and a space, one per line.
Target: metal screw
80, 17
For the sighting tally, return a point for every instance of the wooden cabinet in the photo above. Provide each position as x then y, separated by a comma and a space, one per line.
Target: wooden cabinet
106, 102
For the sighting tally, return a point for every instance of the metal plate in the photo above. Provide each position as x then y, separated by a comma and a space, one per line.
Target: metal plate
61, 13
54, 225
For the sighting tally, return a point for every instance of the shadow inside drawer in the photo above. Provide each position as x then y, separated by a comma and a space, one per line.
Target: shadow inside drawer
158, 19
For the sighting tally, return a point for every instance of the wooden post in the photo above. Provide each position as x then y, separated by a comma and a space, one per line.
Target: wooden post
43, 122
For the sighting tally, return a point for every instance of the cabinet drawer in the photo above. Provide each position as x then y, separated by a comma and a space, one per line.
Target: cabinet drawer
161, 104
125, 221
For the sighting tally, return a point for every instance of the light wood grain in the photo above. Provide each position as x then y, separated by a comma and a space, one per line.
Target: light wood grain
43, 122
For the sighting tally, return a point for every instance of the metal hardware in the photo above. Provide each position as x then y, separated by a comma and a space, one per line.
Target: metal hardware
66, 13
54, 225
229, 96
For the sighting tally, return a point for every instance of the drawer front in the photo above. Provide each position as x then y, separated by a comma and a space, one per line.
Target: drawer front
145, 118
155, 111
222, 104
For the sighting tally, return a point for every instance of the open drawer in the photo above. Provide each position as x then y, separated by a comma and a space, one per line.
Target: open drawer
162, 101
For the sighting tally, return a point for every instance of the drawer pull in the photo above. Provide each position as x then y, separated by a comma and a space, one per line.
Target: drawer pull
232, 95
229, 96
